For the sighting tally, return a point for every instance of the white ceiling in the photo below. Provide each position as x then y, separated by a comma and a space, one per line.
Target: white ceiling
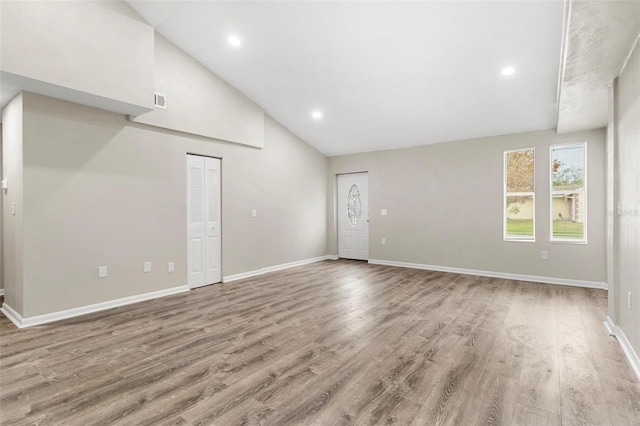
397, 74
385, 74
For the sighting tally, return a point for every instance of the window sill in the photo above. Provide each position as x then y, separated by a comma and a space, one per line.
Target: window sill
518, 240
572, 242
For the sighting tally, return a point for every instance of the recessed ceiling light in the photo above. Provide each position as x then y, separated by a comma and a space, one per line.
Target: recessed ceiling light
234, 41
508, 71
316, 114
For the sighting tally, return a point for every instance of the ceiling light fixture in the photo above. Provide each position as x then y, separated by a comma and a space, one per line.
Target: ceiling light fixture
234, 41
316, 114
508, 71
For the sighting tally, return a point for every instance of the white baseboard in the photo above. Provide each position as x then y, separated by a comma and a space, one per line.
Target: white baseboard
20, 322
610, 326
628, 350
274, 268
241, 276
332, 257
492, 274
13, 316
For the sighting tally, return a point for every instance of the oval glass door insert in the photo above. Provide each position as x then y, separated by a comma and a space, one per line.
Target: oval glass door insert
354, 205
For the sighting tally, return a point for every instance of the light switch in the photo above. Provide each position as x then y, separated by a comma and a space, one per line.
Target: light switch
254, 213
383, 212
147, 266
171, 267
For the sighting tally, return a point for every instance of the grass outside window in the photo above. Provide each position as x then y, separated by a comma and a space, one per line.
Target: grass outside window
562, 229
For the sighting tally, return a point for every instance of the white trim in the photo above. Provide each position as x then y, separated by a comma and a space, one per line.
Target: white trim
610, 326
1, 291
83, 310
505, 195
626, 61
293, 264
583, 191
566, 21
241, 276
274, 268
630, 353
13, 316
332, 257
492, 274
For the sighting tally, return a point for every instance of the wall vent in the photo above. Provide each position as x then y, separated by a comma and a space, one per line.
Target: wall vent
160, 100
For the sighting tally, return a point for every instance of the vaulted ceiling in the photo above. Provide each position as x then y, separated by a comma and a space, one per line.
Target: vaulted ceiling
357, 76
391, 74
383, 74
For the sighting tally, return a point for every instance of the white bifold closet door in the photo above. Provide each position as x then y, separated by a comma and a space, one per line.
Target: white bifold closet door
203, 217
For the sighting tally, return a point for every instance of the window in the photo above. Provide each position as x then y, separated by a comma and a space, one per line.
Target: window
519, 199
568, 193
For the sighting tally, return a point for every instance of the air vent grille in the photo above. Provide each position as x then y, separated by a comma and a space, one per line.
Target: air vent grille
160, 100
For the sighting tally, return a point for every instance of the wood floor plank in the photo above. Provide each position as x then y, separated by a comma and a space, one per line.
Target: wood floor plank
539, 385
330, 343
531, 416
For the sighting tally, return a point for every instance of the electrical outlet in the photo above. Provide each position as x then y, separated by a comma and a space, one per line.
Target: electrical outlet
383, 212
147, 266
171, 267
383, 241
629, 300
102, 271
544, 255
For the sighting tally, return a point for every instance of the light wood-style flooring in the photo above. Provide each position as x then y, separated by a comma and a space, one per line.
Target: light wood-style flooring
331, 343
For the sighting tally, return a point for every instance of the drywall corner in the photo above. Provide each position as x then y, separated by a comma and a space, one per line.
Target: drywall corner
626, 216
1, 222
12, 168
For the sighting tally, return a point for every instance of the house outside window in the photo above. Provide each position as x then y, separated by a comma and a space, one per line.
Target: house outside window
568, 193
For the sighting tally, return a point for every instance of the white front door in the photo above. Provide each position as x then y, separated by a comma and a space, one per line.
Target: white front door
353, 216
203, 217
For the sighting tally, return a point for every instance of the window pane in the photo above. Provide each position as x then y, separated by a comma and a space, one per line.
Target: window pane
519, 216
568, 195
354, 205
520, 171
519, 201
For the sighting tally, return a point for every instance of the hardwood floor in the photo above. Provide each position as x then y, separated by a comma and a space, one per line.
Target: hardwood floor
332, 343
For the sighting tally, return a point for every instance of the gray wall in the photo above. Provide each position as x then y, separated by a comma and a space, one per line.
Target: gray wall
200, 102
627, 193
101, 190
444, 205
93, 47
294, 198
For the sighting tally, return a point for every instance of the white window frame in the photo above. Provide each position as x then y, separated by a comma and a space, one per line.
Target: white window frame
553, 239
506, 194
